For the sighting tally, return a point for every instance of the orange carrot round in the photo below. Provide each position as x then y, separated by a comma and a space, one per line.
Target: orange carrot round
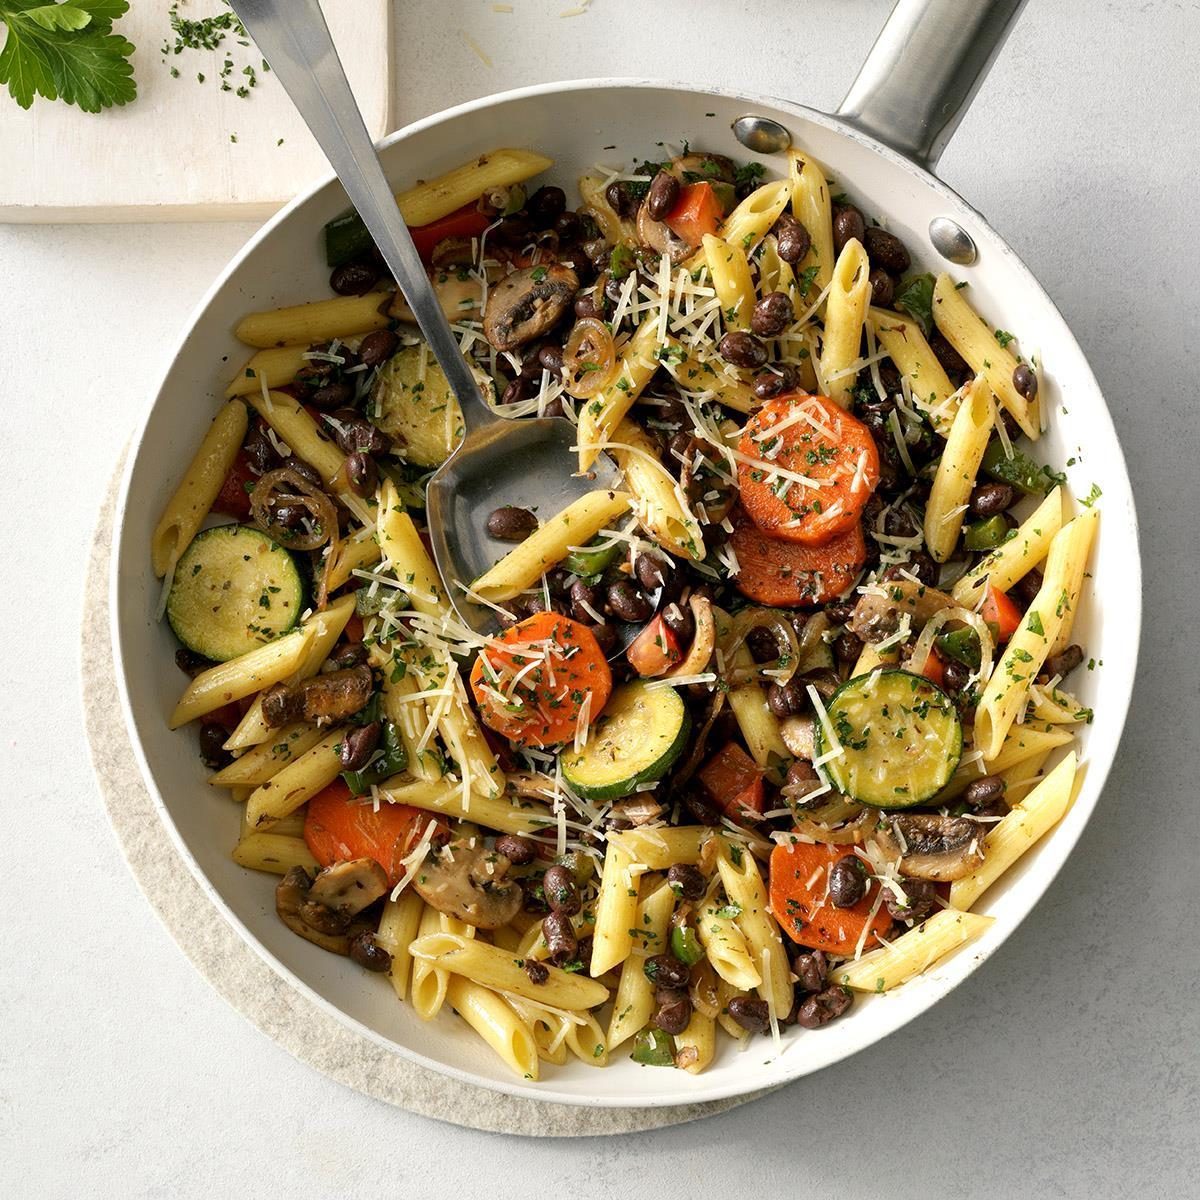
532, 681
807, 436
338, 827
799, 901
788, 575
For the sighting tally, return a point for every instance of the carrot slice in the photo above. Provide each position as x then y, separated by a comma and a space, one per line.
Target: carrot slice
807, 436
799, 886
532, 681
735, 781
1001, 613
337, 828
697, 211
655, 650
788, 575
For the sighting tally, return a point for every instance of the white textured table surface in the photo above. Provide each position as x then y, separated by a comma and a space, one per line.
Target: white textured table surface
1068, 1066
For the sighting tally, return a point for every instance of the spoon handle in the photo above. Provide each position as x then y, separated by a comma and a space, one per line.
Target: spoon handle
294, 39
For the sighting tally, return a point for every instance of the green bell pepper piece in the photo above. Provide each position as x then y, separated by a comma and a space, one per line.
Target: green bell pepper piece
393, 759
986, 534
653, 1048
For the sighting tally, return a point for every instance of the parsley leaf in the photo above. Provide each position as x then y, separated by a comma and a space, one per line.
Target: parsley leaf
66, 52
916, 299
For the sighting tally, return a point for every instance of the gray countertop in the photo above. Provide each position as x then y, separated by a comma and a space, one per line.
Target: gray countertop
1067, 1066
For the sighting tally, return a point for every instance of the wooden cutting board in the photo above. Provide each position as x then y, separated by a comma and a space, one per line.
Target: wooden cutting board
185, 150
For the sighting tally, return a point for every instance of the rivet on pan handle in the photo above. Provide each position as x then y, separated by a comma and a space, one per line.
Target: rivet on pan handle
924, 70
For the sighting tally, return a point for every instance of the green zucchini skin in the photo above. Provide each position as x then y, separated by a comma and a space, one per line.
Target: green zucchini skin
637, 739
234, 589
900, 735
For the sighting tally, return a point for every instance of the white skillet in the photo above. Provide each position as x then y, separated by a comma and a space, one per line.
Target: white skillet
881, 148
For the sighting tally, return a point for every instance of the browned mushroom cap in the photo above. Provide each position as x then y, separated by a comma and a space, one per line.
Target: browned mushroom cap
324, 698
932, 847
876, 616
467, 881
659, 238
528, 303
291, 897
348, 887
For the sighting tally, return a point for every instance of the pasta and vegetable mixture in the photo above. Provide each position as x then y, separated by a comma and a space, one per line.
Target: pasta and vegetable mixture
760, 726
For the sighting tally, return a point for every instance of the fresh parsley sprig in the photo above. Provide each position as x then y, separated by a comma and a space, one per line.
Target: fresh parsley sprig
66, 52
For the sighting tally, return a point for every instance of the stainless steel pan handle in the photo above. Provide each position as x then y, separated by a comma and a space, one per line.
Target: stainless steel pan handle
924, 70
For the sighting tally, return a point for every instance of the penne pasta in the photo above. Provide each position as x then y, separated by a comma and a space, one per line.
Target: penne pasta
657, 499
1014, 559
1088, 522
1031, 819
616, 909
304, 325
913, 952
726, 945
523, 566
812, 207
398, 926
969, 334
957, 469
435, 198
695, 1046
275, 853
265, 761
194, 497
299, 781
729, 270
901, 337
752, 219
496, 1023
845, 313
633, 1003
662, 847
446, 797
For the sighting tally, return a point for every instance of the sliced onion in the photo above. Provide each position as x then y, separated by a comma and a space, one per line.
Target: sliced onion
852, 833
589, 358
269, 492
785, 640
704, 640
923, 646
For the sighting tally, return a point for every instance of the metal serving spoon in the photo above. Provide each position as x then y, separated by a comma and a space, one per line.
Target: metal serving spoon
521, 462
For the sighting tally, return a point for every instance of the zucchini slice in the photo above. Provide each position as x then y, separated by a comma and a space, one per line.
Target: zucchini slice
900, 739
417, 407
234, 589
637, 738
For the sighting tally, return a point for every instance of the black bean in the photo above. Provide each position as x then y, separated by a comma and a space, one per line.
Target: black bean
772, 314
751, 1014
511, 524
537, 972
591, 595
358, 745
569, 227
824, 1007
775, 381
560, 890
762, 645
606, 639
560, 938
332, 395
664, 191
301, 468
620, 199
802, 774
547, 205
665, 970
847, 647
1025, 381
362, 474
919, 901
786, 699
626, 603
792, 239
585, 306
686, 881
212, 745
985, 790
191, 663
518, 850
259, 450
887, 250
883, 288
353, 431
1064, 662
550, 358
955, 676
742, 350
952, 362
354, 278
990, 499
838, 613
289, 516
679, 620
673, 1010
377, 347
653, 571
848, 224
847, 881
554, 408
1027, 587
809, 968
367, 952
921, 566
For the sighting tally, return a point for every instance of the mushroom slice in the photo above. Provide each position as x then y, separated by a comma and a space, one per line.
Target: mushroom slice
877, 614
798, 735
348, 887
638, 810
468, 882
323, 698
931, 846
291, 897
704, 640
658, 237
528, 303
